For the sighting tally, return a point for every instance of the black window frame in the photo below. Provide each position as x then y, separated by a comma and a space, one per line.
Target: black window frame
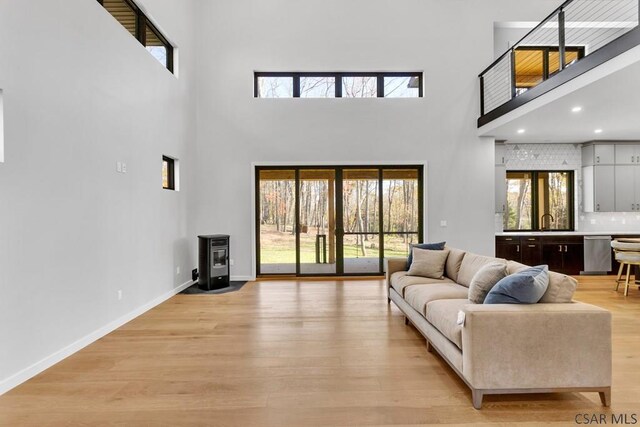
171, 175
295, 76
535, 208
546, 50
339, 169
142, 22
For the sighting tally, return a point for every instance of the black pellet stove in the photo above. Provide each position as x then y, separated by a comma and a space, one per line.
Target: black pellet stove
213, 261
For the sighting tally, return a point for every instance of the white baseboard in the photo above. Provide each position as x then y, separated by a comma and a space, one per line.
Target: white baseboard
245, 278
33, 370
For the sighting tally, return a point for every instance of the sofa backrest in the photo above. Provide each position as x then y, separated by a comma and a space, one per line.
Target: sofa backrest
561, 287
471, 263
454, 260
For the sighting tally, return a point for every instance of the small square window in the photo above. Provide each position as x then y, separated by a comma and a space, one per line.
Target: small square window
168, 173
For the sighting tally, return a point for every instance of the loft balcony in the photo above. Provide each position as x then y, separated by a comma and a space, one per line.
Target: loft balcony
577, 37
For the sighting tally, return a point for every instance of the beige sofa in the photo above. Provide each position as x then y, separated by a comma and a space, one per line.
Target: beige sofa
557, 345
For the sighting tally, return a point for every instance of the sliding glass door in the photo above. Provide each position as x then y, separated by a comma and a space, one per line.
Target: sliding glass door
276, 221
361, 221
317, 221
335, 220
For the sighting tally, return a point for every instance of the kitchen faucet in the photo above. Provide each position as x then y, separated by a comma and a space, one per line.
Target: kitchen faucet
542, 227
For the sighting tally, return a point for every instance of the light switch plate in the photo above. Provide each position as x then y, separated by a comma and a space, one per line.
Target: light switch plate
443, 223
118, 166
124, 168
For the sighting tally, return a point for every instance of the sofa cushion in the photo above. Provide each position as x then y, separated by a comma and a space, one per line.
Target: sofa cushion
430, 246
428, 263
452, 266
524, 287
401, 280
485, 279
561, 287
470, 265
418, 296
514, 267
443, 315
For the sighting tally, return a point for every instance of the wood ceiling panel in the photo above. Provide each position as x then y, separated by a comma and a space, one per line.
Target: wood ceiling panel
123, 14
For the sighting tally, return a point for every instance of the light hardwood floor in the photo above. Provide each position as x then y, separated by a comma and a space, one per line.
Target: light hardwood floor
287, 353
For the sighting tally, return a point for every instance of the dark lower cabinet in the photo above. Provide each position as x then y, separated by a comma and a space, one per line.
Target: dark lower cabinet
563, 254
526, 250
553, 256
508, 248
531, 251
574, 258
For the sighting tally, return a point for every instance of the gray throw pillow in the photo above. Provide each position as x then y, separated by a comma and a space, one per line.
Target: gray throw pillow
428, 263
524, 287
431, 246
485, 279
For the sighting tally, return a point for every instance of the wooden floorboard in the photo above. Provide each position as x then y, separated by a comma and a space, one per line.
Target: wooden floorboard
289, 353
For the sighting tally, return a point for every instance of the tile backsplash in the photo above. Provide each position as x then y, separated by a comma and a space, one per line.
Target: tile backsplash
543, 156
568, 157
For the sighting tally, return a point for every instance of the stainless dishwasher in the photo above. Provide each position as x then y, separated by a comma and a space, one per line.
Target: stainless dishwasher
597, 255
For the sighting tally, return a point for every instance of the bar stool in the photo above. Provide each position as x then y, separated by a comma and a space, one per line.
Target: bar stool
627, 252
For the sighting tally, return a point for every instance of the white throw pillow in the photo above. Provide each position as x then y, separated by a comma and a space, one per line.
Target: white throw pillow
428, 263
485, 279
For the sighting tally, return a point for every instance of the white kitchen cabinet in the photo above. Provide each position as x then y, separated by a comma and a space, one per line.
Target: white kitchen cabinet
627, 154
598, 154
500, 154
501, 188
598, 188
627, 188
625, 176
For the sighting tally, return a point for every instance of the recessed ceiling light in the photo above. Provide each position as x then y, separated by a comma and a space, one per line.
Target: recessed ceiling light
521, 130
576, 109
598, 131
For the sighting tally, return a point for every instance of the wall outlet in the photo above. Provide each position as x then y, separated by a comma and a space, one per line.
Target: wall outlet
120, 295
232, 262
178, 270
124, 168
194, 274
119, 167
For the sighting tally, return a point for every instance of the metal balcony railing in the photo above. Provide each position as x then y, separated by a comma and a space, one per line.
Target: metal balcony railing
578, 36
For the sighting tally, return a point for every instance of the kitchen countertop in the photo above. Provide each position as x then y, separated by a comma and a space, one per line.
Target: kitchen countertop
568, 233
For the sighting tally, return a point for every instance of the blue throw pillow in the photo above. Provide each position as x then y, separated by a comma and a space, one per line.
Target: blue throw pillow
524, 287
429, 246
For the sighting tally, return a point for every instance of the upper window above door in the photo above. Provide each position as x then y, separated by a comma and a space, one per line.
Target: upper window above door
338, 85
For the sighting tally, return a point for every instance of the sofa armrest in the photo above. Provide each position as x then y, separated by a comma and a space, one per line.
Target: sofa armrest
393, 265
540, 346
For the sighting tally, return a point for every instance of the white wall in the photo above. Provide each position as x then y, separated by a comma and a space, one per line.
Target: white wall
452, 41
80, 94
